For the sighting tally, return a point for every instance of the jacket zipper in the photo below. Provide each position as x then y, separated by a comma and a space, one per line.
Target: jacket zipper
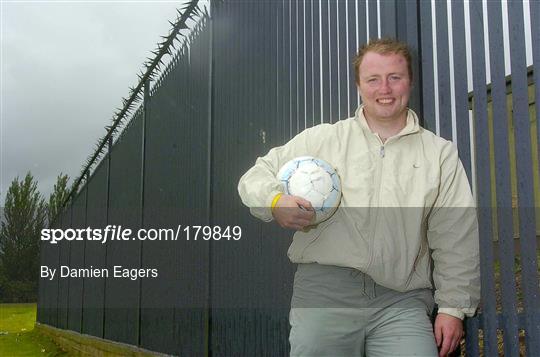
377, 207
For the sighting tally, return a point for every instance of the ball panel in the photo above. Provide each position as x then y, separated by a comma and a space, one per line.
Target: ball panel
314, 180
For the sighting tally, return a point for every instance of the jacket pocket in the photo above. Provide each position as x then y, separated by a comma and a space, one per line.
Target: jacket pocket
419, 255
319, 231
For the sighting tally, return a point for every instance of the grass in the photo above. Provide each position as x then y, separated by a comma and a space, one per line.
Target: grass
17, 335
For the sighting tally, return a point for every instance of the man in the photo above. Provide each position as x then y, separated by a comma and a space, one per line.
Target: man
364, 278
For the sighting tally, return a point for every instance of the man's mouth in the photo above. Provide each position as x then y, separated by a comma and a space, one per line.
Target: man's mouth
385, 100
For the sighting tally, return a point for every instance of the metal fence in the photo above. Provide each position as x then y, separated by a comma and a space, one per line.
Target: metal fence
252, 76
504, 315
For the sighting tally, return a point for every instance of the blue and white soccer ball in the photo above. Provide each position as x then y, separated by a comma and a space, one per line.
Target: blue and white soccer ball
314, 180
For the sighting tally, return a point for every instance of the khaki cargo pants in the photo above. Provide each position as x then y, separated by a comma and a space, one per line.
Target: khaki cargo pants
339, 311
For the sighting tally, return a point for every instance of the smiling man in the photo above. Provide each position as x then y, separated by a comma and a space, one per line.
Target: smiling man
384, 84
406, 226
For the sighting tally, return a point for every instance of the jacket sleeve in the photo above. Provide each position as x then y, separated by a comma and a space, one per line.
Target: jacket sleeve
453, 239
259, 185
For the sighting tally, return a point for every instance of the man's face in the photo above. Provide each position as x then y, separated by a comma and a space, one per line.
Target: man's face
384, 86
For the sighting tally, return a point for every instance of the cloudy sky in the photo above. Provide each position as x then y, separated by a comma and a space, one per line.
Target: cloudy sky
65, 66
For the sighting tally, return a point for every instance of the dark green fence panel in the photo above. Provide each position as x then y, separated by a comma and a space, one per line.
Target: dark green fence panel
173, 307
294, 80
95, 251
309, 68
63, 284
192, 275
503, 184
488, 319
42, 313
161, 210
427, 78
444, 97
344, 29
250, 286
408, 30
460, 80
534, 8
525, 185
300, 33
76, 261
333, 49
371, 20
388, 19
285, 60
356, 37
325, 61
48, 289
121, 322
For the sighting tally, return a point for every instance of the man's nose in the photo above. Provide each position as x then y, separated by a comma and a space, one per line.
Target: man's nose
385, 86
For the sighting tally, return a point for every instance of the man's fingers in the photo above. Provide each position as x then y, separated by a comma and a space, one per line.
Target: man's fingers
448, 332
303, 217
449, 344
300, 214
445, 348
293, 212
454, 346
456, 342
304, 203
438, 335
297, 221
307, 216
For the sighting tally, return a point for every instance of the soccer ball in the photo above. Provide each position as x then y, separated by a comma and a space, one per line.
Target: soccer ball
314, 180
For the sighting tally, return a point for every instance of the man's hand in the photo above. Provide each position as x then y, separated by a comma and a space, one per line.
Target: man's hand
293, 212
448, 333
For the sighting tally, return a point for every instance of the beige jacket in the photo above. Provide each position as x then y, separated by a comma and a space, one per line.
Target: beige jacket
402, 200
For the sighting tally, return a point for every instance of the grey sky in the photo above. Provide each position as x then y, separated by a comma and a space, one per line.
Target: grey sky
65, 67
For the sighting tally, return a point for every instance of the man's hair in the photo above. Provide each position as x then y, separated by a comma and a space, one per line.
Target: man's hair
383, 46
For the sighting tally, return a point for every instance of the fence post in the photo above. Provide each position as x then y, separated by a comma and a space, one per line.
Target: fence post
488, 316
107, 204
208, 317
522, 132
146, 109
87, 174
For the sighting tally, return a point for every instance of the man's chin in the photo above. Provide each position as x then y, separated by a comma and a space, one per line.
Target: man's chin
387, 114
390, 112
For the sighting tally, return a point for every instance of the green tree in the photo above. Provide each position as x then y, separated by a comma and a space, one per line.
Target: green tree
57, 197
24, 216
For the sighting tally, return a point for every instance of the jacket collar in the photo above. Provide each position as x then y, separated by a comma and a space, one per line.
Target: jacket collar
412, 125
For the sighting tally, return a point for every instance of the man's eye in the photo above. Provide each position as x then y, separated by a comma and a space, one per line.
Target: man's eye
395, 78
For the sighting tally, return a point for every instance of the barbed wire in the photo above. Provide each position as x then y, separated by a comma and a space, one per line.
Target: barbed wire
148, 73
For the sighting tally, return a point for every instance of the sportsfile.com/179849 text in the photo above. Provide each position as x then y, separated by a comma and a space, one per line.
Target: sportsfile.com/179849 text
118, 233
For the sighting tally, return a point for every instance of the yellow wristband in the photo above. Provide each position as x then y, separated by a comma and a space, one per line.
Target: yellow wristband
274, 201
